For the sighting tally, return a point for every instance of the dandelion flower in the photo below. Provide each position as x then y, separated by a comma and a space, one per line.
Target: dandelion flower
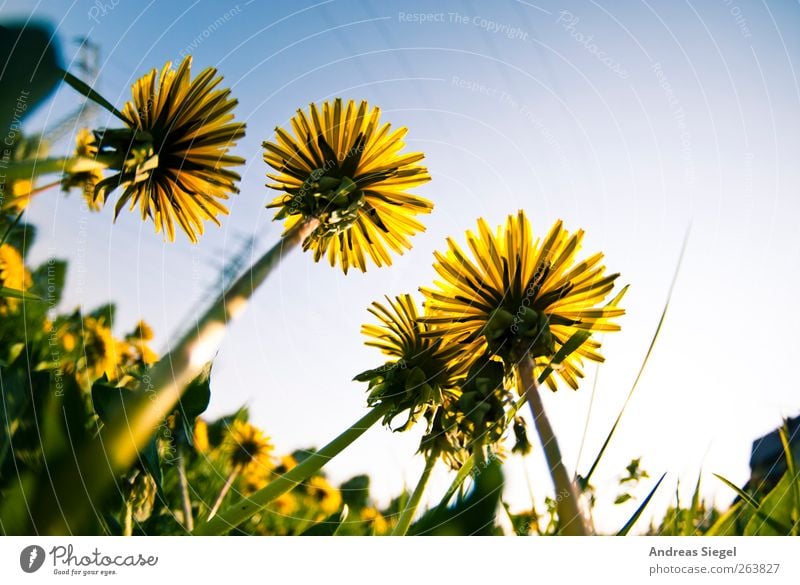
324, 495
424, 368
176, 165
86, 180
249, 449
13, 275
514, 295
344, 169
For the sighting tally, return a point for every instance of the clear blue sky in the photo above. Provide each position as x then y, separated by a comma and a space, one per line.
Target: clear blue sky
631, 120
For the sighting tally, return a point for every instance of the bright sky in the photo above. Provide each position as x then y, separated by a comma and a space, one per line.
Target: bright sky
632, 120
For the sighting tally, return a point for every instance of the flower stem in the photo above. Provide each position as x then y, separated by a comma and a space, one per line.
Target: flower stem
401, 528
222, 493
461, 476
122, 438
11, 227
12, 201
127, 524
188, 519
234, 515
29, 169
84, 89
571, 520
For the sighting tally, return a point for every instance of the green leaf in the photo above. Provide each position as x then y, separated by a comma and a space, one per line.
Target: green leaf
197, 395
747, 498
691, 513
474, 515
108, 401
732, 522
622, 498
11, 293
774, 516
330, 526
791, 468
573, 343
629, 524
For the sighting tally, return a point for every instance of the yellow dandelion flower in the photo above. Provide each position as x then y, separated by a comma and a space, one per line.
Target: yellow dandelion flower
177, 166
327, 497
344, 169
100, 352
285, 504
86, 180
13, 275
376, 519
424, 367
515, 294
139, 350
249, 449
200, 436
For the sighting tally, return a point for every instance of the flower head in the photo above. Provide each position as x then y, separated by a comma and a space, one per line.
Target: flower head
13, 275
249, 449
473, 416
86, 180
345, 170
516, 295
173, 159
99, 352
138, 349
423, 368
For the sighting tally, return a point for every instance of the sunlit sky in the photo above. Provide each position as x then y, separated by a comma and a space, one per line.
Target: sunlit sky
633, 120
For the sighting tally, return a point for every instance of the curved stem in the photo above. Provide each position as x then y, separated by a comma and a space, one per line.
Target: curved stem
11, 227
84, 89
122, 438
222, 493
461, 476
237, 513
186, 503
31, 168
571, 520
410, 510
127, 522
12, 201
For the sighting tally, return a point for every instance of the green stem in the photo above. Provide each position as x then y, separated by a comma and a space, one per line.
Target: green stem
84, 89
222, 493
461, 476
237, 513
401, 528
122, 438
571, 520
11, 227
29, 169
186, 502
127, 523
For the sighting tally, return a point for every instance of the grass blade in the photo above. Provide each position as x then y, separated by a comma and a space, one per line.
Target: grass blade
694, 508
748, 499
791, 468
597, 459
629, 524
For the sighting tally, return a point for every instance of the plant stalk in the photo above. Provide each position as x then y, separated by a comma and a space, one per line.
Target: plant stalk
572, 522
237, 513
222, 493
401, 528
186, 503
31, 168
122, 439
